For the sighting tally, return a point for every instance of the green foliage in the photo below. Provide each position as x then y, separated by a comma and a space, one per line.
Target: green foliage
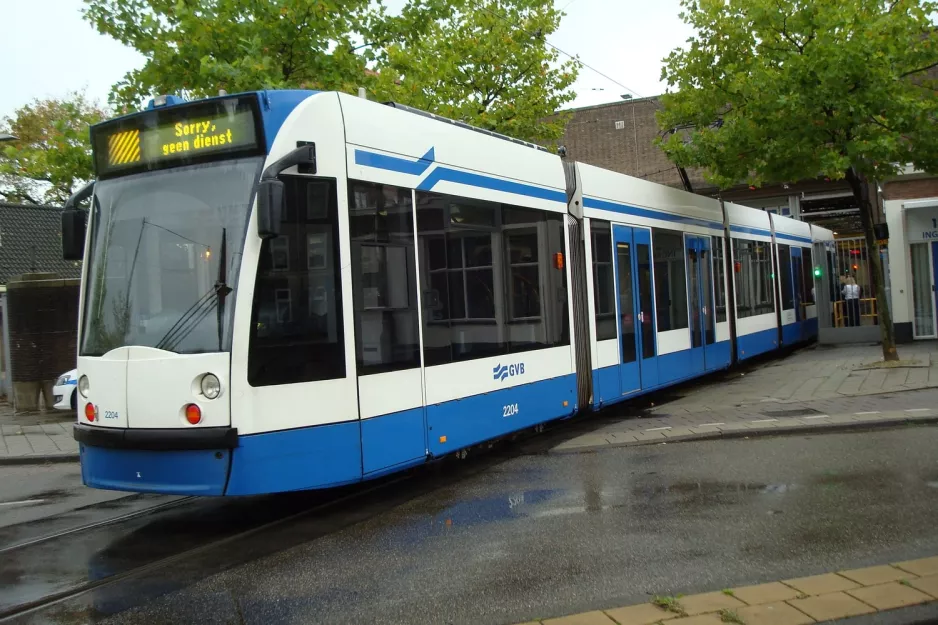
52, 154
803, 88
669, 603
196, 48
481, 61
484, 62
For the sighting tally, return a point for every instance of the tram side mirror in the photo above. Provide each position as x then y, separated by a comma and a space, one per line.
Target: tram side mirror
270, 189
269, 208
73, 234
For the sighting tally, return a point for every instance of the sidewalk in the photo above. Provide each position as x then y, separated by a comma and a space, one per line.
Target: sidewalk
816, 387
801, 601
36, 437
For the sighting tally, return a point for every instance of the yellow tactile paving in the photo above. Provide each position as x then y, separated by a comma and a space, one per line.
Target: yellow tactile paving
926, 584
889, 596
821, 584
779, 613
709, 602
798, 601
875, 575
765, 593
586, 618
831, 606
922, 568
700, 619
642, 614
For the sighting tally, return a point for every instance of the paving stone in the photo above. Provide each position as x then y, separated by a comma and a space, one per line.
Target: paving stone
642, 614
926, 584
620, 437
682, 432
700, 619
709, 602
734, 427
889, 596
923, 567
765, 593
821, 584
585, 618
831, 606
649, 436
17, 446
779, 613
873, 575
589, 440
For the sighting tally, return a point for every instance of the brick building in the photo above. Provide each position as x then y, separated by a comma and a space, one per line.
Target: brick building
620, 136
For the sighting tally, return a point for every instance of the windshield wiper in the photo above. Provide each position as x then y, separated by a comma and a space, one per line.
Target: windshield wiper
213, 298
221, 286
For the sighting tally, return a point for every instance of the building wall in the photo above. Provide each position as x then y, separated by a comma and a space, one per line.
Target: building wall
620, 137
910, 189
42, 317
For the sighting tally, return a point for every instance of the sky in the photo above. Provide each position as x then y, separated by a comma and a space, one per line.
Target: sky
623, 39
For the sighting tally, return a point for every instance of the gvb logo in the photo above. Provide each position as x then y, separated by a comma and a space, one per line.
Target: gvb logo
504, 371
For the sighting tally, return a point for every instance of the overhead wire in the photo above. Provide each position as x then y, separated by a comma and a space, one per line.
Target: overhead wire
541, 36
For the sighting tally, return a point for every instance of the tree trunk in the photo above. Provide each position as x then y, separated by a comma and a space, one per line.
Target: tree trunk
861, 192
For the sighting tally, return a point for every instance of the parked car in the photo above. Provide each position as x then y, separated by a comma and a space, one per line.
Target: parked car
65, 391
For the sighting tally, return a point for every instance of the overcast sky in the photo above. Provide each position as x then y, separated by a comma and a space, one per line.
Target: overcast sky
48, 50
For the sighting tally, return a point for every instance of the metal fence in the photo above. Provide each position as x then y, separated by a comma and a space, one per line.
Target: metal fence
849, 259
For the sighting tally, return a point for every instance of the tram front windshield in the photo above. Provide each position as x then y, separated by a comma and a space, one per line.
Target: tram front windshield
165, 249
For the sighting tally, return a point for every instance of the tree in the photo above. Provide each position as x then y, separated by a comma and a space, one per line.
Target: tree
783, 90
484, 62
52, 153
194, 48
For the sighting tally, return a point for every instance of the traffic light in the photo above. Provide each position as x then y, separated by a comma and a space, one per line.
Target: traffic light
817, 272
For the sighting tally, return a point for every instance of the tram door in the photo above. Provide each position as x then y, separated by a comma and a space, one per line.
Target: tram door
637, 367
701, 318
797, 282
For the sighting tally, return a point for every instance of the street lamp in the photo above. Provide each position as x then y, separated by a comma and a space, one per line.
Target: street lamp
5, 136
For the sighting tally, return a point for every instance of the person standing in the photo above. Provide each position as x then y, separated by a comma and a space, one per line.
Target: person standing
851, 292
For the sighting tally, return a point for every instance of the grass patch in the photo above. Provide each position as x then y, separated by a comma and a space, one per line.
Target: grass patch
728, 592
905, 582
730, 616
669, 603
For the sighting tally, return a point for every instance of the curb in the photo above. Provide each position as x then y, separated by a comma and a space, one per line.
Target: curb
858, 426
38, 459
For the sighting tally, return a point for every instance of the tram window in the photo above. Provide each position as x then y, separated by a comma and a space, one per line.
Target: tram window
488, 284
719, 276
603, 280
752, 268
807, 275
670, 279
384, 275
784, 264
296, 323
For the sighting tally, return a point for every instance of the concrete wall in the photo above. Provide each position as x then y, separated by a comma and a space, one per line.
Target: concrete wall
42, 317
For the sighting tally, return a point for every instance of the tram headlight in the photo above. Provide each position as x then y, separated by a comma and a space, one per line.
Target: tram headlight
84, 386
210, 385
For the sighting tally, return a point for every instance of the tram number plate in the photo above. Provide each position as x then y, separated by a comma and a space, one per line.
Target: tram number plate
111, 414
509, 410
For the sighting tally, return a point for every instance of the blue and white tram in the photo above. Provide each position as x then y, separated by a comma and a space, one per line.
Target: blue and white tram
293, 290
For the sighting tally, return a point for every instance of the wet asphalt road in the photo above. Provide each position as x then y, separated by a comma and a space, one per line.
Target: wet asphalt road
546, 535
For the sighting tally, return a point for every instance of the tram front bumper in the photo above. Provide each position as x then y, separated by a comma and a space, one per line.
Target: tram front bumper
174, 462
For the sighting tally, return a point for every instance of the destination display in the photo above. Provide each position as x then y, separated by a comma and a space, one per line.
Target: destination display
165, 137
